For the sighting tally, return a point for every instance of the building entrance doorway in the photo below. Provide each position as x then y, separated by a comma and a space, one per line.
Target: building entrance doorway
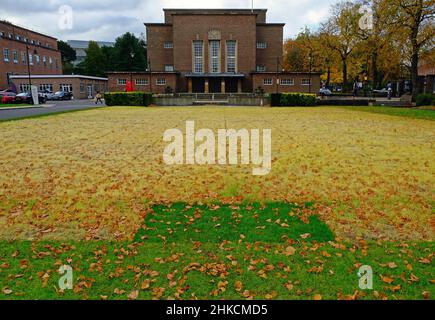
214, 85
198, 85
231, 85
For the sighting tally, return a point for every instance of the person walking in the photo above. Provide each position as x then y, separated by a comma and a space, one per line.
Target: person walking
98, 98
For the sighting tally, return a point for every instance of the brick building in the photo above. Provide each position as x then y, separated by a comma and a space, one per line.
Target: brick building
426, 73
22, 48
216, 51
81, 87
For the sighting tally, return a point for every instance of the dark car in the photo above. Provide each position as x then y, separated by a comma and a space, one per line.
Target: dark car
62, 95
7, 97
26, 97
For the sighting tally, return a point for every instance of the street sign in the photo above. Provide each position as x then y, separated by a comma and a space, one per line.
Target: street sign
35, 95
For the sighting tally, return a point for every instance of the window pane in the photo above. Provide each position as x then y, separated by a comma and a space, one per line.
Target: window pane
198, 60
215, 56
231, 56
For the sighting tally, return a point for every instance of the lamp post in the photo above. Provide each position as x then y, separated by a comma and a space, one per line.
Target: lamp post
277, 74
28, 67
311, 66
132, 55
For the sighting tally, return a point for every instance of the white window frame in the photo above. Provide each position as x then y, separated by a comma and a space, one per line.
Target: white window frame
306, 82
31, 59
66, 87
287, 82
261, 68
231, 59
24, 87
15, 56
215, 56
6, 55
168, 45
161, 81
198, 56
122, 82
267, 81
23, 58
142, 82
169, 68
261, 45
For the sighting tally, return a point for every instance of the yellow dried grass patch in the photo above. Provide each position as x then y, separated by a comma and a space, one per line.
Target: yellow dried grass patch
94, 174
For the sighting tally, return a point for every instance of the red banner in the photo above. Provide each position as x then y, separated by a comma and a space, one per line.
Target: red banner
129, 87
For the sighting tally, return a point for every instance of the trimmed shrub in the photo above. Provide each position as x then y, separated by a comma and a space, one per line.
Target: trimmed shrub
425, 100
139, 99
275, 99
293, 100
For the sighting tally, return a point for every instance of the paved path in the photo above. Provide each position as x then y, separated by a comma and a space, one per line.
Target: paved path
50, 107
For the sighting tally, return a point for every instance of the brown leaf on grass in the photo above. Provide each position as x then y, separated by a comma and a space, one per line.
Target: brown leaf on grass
271, 296
289, 251
305, 235
289, 286
145, 284
387, 280
424, 261
317, 297
238, 286
7, 291
426, 295
392, 265
134, 295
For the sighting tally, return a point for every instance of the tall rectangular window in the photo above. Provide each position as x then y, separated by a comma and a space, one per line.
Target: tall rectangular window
231, 56
15, 56
6, 55
23, 58
31, 59
215, 56
198, 56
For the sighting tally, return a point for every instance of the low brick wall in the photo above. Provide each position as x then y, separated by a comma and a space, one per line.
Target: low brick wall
173, 101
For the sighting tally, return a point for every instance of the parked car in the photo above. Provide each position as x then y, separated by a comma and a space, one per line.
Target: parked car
382, 93
325, 92
62, 95
26, 97
7, 97
46, 94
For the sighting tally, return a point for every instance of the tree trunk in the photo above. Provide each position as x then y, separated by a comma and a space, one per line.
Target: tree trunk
414, 72
344, 60
328, 79
375, 70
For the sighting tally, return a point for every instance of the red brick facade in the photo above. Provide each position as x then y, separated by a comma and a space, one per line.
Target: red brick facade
44, 56
143, 81
82, 87
287, 82
197, 44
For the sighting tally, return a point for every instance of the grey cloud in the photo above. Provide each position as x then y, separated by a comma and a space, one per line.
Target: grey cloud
106, 20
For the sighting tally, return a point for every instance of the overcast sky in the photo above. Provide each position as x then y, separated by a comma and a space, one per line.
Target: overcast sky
104, 20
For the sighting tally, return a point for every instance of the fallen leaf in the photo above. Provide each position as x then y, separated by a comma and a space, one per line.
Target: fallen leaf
387, 280
133, 295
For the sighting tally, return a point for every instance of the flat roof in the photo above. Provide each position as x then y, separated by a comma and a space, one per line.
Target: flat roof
26, 28
255, 11
56, 76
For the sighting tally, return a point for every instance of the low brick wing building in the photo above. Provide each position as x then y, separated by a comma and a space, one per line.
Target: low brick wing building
215, 51
82, 87
22, 49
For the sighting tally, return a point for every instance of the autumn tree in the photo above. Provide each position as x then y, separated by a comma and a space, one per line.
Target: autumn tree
340, 32
414, 22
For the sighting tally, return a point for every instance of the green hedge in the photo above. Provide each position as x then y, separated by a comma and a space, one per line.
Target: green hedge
293, 100
140, 99
425, 100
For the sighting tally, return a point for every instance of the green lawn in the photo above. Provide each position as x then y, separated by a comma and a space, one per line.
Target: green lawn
230, 252
89, 189
401, 112
12, 105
